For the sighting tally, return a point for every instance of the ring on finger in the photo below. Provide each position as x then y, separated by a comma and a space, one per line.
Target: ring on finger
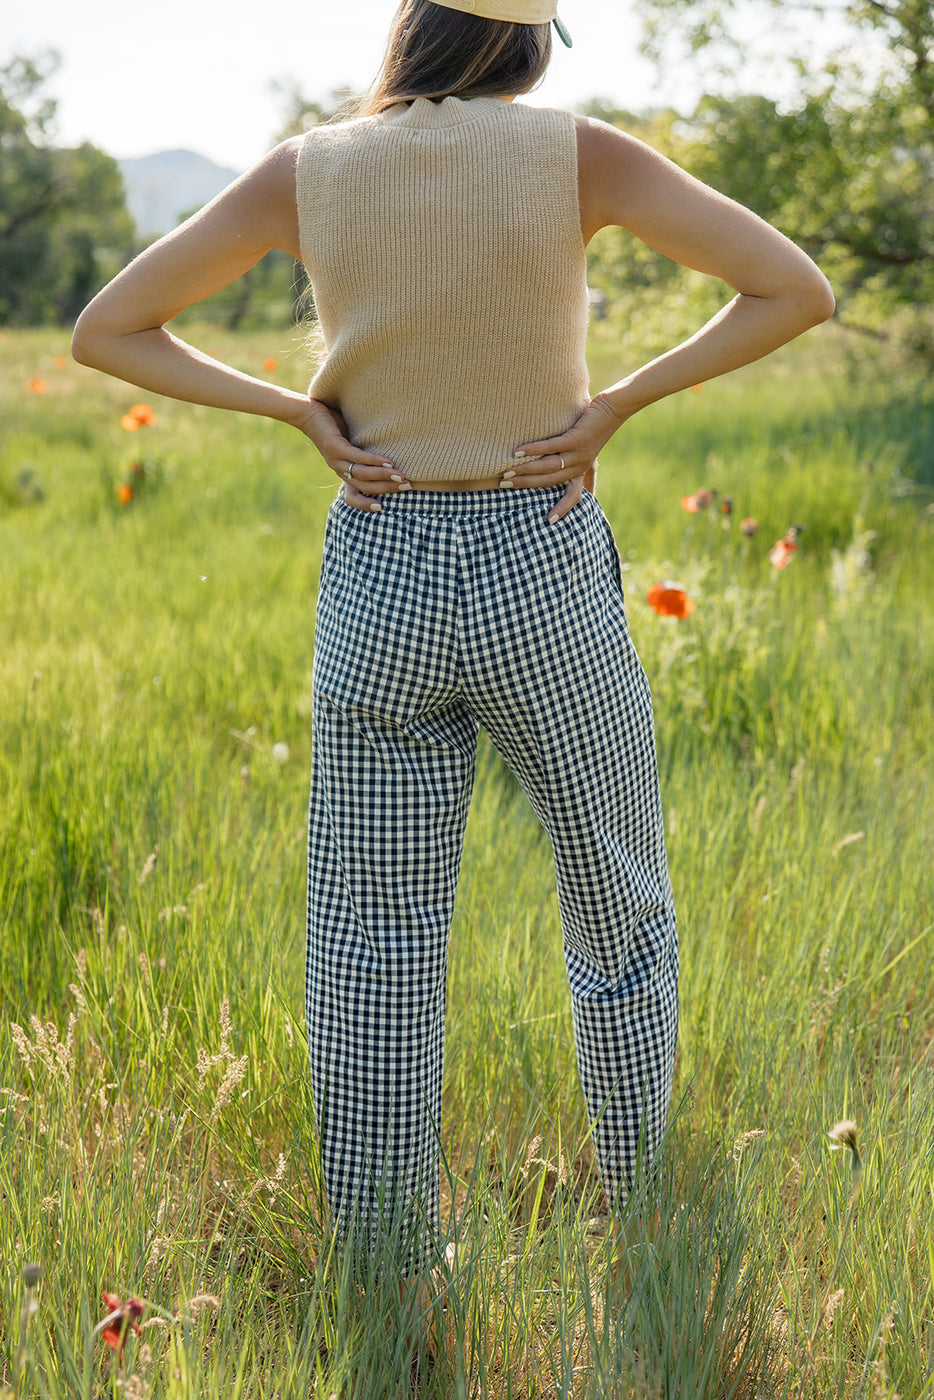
349, 472
562, 464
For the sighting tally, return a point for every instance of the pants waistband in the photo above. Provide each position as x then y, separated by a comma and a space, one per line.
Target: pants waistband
498, 500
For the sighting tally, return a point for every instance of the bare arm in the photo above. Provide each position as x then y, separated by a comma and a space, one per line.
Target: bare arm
123, 332
780, 291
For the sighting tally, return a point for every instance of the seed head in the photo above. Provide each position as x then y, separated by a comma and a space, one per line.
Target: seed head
843, 1134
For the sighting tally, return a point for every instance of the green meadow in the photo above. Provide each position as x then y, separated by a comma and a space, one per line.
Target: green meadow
157, 1138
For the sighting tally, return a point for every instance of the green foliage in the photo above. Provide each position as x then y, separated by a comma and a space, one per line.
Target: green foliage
851, 184
156, 1130
843, 167
64, 228
299, 112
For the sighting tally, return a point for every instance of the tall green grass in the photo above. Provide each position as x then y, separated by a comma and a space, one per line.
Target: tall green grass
156, 1127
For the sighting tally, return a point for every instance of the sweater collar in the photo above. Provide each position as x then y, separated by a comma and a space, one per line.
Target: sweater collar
425, 115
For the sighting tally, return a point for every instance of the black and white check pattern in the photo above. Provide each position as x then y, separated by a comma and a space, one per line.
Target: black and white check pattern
442, 613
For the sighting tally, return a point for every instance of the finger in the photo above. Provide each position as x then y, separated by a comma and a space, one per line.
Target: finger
545, 471
358, 500
375, 479
568, 501
349, 453
546, 447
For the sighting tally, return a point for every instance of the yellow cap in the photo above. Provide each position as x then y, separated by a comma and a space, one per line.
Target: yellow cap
513, 11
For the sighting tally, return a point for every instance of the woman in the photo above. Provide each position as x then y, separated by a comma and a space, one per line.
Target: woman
469, 576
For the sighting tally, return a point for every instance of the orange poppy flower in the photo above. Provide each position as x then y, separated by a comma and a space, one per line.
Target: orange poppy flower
139, 416
124, 493
115, 1333
60, 361
270, 363
699, 501
696, 388
37, 386
669, 600
781, 553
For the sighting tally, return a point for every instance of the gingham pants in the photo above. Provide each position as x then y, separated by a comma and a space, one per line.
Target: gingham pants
442, 613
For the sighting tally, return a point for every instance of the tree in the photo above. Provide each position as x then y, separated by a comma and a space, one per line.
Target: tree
845, 167
64, 226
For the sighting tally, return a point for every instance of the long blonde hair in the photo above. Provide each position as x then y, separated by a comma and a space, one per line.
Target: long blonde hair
435, 52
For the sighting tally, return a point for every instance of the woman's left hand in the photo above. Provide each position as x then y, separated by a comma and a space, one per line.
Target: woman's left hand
569, 459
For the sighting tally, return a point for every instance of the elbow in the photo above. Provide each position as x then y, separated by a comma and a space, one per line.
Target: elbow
816, 300
82, 342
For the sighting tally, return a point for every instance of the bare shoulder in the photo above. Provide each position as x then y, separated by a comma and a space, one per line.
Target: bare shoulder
616, 172
261, 202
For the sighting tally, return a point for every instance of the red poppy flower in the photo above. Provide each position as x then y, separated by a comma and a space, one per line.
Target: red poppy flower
37, 386
669, 600
124, 493
125, 1320
749, 526
270, 363
726, 505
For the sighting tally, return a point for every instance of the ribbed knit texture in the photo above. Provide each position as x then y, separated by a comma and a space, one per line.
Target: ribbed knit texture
444, 247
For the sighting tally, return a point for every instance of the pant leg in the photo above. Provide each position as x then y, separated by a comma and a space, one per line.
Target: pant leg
554, 679
392, 771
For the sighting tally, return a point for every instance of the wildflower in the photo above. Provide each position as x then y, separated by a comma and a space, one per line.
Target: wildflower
60, 361
280, 753
124, 493
270, 363
696, 388
139, 416
137, 469
669, 600
121, 1319
726, 505
37, 386
749, 526
782, 552
699, 501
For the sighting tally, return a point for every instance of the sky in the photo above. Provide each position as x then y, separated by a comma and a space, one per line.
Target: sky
198, 74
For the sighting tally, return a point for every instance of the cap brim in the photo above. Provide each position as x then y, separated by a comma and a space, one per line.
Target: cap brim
563, 34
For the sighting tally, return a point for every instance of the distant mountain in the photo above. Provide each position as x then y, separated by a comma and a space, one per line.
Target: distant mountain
162, 187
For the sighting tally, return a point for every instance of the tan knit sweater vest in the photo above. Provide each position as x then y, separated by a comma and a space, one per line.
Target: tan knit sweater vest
444, 247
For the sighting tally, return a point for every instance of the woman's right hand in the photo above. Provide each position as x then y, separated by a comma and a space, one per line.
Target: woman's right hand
365, 474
